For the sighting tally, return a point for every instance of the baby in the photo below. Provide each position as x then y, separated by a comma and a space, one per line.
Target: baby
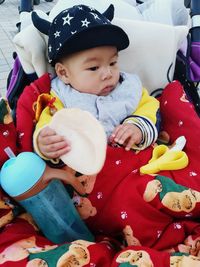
83, 47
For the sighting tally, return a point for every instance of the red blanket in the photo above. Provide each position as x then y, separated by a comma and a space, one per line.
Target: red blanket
138, 220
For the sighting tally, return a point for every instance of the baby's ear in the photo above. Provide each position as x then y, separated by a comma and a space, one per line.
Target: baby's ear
62, 72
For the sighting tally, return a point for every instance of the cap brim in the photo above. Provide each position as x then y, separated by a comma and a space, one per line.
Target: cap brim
86, 136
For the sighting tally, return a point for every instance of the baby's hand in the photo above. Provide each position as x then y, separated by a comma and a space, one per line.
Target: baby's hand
126, 134
52, 145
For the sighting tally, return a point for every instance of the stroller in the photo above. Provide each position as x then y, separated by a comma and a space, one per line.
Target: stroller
187, 68
35, 2
179, 98
183, 58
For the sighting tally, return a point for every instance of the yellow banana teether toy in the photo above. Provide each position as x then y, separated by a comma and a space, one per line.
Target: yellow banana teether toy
164, 158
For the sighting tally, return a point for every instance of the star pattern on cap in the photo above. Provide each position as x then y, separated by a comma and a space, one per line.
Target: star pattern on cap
85, 22
50, 48
57, 34
59, 46
92, 8
65, 11
73, 32
70, 22
95, 15
67, 19
55, 20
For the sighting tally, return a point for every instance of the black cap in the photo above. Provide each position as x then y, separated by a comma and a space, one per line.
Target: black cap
79, 28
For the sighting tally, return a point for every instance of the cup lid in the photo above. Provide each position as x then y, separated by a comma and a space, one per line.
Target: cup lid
20, 173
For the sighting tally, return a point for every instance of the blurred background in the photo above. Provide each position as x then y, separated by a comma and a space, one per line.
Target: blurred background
9, 19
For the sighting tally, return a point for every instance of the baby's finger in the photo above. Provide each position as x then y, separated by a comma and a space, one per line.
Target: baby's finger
130, 142
122, 135
58, 153
58, 145
116, 130
47, 131
52, 139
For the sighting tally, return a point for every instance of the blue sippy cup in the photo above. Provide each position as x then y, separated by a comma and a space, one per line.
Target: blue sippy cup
24, 178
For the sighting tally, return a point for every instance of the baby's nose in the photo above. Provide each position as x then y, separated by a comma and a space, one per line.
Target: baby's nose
107, 73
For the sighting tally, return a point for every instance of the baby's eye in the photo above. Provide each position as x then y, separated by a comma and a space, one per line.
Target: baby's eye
93, 68
113, 63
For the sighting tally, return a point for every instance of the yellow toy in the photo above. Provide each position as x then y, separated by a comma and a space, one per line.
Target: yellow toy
165, 158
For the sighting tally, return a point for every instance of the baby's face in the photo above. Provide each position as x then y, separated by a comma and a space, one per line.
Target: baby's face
93, 71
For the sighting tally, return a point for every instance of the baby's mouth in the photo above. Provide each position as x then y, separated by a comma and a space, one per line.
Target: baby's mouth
106, 90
